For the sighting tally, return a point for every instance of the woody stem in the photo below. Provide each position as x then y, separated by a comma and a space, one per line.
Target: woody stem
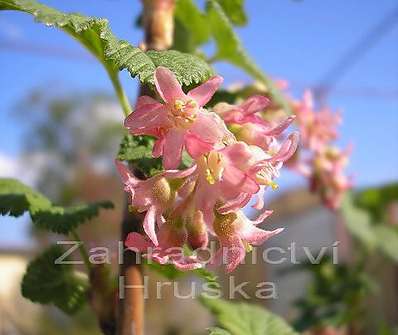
159, 28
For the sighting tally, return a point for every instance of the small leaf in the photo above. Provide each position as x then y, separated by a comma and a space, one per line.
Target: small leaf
48, 283
17, 198
235, 11
245, 319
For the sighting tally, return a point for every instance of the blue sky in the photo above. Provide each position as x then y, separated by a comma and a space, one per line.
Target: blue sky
295, 40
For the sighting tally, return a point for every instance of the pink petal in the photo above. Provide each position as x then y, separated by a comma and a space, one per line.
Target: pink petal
179, 173
254, 104
167, 85
203, 93
146, 108
259, 204
208, 127
157, 150
126, 175
262, 217
281, 126
239, 181
288, 148
257, 236
195, 146
137, 241
234, 252
149, 225
232, 205
146, 104
172, 149
238, 154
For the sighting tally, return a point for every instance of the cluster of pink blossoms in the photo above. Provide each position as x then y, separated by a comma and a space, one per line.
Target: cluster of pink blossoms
184, 207
320, 161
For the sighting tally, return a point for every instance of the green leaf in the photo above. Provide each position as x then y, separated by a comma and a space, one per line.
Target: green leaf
358, 223
218, 331
114, 54
387, 238
170, 272
235, 11
230, 49
373, 235
376, 200
63, 220
17, 198
137, 150
48, 283
191, 28
188, 69
245, 319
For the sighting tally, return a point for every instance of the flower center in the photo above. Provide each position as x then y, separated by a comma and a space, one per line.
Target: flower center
266, 175
183, 113
212, 166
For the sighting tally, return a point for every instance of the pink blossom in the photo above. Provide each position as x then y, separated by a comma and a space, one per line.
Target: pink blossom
236, 234
317, 129
247, 123
154, 195
227, 178
169, 250
180, 121
327, 176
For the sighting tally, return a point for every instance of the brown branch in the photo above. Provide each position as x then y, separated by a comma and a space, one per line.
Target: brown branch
159, 28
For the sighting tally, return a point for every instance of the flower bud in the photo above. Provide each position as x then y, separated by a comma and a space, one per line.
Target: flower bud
161, 191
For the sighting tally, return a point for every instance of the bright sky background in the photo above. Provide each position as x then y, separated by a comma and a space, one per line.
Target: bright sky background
295, 40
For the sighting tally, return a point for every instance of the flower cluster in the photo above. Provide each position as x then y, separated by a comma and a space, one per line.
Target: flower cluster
321, 162
236, 156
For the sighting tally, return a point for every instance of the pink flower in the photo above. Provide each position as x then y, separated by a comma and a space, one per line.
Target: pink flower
317, 129
180, 122
227, 178
243, 113
154, 195
326, 175
248, 125
169, 250
236, 234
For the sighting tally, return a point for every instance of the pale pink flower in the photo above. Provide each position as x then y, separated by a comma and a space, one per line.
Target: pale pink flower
247, 123
226, 179
154, 195
317, 128
169, 250
326, 175
329, 178
236, 234
180, 121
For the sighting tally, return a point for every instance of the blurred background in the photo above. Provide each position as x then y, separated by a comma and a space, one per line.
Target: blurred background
61, 128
